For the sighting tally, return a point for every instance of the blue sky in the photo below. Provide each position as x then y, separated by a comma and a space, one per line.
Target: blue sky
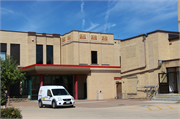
123, 18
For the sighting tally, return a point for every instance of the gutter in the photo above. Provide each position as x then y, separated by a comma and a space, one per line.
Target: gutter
150, 69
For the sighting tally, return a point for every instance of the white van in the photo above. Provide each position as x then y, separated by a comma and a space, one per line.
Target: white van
55, 96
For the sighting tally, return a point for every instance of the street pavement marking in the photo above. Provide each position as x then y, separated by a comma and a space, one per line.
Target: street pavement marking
155, 107
149, 108
159, 107
170, 107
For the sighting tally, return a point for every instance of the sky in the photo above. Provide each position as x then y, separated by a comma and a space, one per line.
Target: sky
123, 18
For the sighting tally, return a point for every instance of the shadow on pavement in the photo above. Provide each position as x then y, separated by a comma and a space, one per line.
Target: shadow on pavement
58, 107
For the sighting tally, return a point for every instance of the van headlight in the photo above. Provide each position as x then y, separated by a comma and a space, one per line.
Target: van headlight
59, 99
72, 99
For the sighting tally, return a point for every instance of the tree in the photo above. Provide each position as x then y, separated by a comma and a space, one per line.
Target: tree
10, 74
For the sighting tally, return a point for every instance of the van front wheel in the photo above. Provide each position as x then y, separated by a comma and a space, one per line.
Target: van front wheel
40, 104
54, 104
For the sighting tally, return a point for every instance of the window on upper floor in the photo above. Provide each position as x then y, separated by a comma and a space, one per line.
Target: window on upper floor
93, 57
39, 54
3, 50
49, 54
15, 52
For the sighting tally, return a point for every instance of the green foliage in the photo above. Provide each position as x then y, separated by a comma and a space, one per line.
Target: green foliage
9, 75
11, 112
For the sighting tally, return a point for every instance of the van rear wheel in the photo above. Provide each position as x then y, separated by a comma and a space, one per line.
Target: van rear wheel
54, 104
40, 104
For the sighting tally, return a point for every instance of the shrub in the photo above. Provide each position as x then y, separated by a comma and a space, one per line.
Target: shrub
11, 112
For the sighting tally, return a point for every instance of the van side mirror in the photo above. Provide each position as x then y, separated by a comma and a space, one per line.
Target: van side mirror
50, 95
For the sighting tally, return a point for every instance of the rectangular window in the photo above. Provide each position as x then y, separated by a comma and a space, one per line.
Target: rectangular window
3, 50
39, 54
49, 54
15, 52
93, 57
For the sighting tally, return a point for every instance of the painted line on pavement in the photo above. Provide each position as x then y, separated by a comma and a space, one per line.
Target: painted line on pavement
149, 108
178, 105
159, 107
170, 107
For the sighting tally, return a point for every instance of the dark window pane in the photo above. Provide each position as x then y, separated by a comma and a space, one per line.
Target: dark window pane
94, 57
39, 54
3, 47
15, 52
171, 69
49, 51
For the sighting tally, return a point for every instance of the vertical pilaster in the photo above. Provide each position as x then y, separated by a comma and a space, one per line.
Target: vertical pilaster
76, 87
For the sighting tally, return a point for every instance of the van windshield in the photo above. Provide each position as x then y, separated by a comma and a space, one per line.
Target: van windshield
59, 92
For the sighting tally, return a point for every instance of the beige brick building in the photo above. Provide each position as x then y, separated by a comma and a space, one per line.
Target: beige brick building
91, 63
150, 59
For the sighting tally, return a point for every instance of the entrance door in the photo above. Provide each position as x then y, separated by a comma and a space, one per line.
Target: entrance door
173, 82
163, 83
119, 90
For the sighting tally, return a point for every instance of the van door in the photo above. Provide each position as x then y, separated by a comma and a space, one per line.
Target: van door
48, 97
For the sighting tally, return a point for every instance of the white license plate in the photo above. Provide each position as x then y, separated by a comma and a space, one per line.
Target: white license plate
67, 102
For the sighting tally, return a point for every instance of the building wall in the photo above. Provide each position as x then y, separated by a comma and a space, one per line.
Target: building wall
132, 54
28, 42
102, 80
16, 38
140, 61
174, 49
78, 50
117, 52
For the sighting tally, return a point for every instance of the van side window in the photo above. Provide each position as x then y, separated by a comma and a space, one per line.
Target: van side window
48, 92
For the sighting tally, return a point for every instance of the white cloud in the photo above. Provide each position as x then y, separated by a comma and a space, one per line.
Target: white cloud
113, 25
5, 11
83, 23
107, 13
82, 6
92, 26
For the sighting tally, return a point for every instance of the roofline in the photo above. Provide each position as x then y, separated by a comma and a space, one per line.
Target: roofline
14, 31
133, 37
87, 32
163, 31
59, 65
27, 32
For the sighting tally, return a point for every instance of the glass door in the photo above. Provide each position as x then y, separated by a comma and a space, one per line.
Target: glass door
163, 83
